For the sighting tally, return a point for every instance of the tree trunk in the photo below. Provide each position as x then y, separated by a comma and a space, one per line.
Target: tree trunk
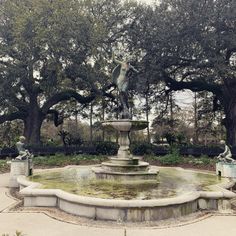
147, 117
229, 103
91, 123
103, 118
195, 137
230, 123
32, 124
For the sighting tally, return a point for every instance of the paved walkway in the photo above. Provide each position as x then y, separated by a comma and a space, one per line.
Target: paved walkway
38, 224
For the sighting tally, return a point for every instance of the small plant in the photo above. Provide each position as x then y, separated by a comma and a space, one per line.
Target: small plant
173, 158
18, 233
4, 167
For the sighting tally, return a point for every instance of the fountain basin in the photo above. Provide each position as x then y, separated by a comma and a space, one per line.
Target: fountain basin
147, 176
127, 210
125, 125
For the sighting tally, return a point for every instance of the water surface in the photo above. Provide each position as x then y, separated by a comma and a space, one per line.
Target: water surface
171, 182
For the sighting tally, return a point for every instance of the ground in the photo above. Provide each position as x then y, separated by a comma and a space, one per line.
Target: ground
39, 221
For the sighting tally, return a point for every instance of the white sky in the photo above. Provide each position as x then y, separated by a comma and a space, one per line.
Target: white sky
184, 99
148, 1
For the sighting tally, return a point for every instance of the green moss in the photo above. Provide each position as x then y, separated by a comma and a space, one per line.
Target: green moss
81, 181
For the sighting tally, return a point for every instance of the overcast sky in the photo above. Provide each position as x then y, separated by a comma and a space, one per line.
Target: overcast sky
148, 1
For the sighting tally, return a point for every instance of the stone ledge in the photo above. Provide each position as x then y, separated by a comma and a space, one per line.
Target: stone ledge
124, 210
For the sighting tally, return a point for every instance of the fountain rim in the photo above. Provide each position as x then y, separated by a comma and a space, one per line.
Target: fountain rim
32, 189
127, 124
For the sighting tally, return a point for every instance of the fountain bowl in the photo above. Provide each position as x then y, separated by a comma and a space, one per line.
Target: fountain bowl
125, 125
120, 210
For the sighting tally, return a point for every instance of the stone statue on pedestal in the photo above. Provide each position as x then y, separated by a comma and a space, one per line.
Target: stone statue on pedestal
120, 76
24, 154
226, 156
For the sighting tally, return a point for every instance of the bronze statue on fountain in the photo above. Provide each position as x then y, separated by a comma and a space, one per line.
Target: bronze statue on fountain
121, 77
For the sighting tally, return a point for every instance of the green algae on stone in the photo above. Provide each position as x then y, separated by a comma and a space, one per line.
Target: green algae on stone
171, 182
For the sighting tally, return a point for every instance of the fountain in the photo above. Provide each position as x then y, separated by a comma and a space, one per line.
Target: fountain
126, 189
124, 166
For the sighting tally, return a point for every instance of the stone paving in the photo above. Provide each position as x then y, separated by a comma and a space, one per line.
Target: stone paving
38, 224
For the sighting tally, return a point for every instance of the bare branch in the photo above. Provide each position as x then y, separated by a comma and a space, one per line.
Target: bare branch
64, 96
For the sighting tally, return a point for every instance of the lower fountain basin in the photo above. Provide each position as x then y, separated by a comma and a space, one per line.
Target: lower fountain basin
183, 192
141, 166
125, 125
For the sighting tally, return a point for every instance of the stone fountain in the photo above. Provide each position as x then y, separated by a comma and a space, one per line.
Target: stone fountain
124, 166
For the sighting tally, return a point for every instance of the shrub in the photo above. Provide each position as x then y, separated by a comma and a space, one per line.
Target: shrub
173, 158
141, 149
107, 148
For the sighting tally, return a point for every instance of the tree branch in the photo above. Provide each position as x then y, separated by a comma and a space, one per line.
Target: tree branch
12, 116
57, 120
196, 85
64, 96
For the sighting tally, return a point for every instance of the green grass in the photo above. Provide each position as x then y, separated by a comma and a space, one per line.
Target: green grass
174, 159
4, 167
62, 160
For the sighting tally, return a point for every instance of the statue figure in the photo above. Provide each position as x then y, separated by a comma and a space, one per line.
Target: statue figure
226, 156
24, 154
121, 79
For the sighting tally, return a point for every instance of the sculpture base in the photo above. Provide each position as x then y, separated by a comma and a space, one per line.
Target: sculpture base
19, 167
125, 169
225, 169
124, 166
146, 176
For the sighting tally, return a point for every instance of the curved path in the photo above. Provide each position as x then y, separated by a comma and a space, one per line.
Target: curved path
38, 224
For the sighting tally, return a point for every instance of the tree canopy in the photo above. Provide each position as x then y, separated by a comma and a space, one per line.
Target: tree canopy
53, 51
192, 45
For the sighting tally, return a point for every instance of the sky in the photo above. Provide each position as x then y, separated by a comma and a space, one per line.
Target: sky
184, 99
147, 1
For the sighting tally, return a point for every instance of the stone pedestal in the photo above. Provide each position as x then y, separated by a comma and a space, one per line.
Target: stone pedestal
19, 167
225, 169
124, 166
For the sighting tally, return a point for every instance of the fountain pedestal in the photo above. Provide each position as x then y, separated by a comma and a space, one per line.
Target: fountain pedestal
124, 166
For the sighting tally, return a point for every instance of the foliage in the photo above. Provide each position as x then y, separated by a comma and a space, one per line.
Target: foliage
190, 44
141, 149
4, 167
173, 158
202, 160
62, 160
107, 148
68, 139
208, 122
53, 52
10, 132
